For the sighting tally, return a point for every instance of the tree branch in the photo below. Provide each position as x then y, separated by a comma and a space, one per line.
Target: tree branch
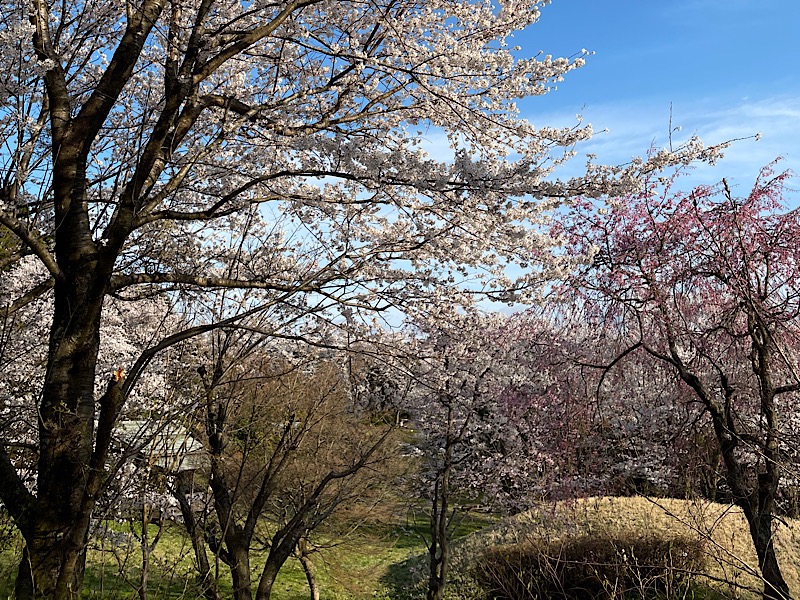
30, 296
93, 113
785, 389
247, 40
16, 497
32, 240
119, 282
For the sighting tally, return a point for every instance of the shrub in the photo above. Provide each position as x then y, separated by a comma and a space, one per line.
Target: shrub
602, 566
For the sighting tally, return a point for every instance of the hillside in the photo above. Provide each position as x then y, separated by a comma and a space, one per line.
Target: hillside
731, 565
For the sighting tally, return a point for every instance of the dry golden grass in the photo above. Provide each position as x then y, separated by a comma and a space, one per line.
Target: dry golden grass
731, 567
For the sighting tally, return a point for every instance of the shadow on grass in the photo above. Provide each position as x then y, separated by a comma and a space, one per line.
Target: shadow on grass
406, 580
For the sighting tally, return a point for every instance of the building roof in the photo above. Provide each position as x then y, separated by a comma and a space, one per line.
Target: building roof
168, 446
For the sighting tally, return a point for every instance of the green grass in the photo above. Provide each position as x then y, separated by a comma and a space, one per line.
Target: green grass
358, 567
731, 567
386, 559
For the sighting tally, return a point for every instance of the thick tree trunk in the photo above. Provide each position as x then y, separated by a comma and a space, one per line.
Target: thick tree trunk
56, 566
65, 496
758, 506
775, 586
268, 576
283, 544
71, 463
240, 573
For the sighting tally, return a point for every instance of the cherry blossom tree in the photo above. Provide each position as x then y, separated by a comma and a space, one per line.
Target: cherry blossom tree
470, 451
125, 330
707, 284
140, 139
597, 425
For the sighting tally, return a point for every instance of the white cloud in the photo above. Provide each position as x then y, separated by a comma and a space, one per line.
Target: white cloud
633, 127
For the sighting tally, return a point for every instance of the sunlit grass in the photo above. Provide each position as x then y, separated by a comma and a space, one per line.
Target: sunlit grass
357, 566
385, 557
731, 566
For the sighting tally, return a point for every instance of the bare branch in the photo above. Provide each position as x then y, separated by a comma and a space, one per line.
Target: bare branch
32, 240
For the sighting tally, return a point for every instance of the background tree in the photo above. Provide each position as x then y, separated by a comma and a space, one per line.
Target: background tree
288, 447
470, 452
707, 284
599, 425
139, 138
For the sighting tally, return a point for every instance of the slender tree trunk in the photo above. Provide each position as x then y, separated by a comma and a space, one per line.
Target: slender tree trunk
308, 568
206, 579
439, 548
144, 542
147, 546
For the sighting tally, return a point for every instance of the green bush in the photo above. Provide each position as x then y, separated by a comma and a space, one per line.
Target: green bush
625, 565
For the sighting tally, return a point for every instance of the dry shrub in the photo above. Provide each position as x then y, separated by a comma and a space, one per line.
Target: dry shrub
625, 564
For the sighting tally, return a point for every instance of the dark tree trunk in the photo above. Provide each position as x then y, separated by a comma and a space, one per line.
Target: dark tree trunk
23, 588
267, 581
283, 544
753, 492
439, 547
208, 583
775, 586
67, 478
240, 571
236, 540
761, 531
758, 506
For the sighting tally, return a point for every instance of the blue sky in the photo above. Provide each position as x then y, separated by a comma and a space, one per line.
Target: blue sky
727, 67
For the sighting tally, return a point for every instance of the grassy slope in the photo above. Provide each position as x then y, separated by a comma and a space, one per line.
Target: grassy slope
375, 563
359, 567
351, 570
731, 566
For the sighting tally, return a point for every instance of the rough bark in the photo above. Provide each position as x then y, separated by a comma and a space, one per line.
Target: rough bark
71, 461
775, 586
283, 544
